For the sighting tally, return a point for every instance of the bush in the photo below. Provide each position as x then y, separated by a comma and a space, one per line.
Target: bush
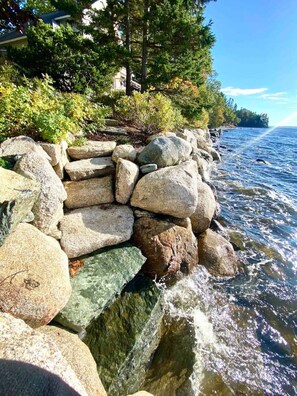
34, 108
150, 113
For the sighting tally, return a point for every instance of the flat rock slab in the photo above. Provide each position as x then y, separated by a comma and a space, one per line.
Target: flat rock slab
114, 131
103, 276
123, 339
17, 197
34, 276
88, 229
90, 168
84, 193
91, 149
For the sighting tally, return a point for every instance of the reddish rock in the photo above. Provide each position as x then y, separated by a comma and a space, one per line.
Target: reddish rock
217, 254
170, 249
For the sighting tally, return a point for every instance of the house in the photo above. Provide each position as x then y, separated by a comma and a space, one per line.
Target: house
58, 18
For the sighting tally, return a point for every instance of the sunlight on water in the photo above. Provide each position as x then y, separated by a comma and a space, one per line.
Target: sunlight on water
285, 121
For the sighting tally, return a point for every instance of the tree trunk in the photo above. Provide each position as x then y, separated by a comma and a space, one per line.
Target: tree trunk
144, 46
128, 47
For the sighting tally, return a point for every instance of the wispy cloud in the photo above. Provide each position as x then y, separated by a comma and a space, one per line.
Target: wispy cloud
242, 91
275, 96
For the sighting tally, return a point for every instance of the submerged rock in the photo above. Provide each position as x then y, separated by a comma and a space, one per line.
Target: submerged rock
171, 191
91, 149
170, 250
88, 229
19, 343
17, 197
123, 339
90, 168
34, 276
103, 276
89, 192
165, 151
217, 254
48, 209
205, 209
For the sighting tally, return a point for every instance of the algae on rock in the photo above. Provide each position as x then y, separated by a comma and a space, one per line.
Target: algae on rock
103, 276
123, 339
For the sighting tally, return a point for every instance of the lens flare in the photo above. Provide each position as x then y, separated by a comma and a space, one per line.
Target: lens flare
283, 122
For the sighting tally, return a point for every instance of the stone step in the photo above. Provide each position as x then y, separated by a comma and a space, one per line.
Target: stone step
90, 168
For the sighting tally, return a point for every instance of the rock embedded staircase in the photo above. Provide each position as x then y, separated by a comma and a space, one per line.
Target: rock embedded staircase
121, 218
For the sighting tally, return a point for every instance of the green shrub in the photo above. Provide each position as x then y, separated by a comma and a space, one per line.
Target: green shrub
34, 108
151, 113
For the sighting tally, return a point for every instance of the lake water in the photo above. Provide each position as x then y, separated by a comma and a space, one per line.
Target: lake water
238, 336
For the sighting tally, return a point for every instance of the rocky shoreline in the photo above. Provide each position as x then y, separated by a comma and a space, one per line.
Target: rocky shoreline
87, 235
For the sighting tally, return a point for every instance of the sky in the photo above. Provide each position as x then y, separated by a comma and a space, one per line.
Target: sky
255, 55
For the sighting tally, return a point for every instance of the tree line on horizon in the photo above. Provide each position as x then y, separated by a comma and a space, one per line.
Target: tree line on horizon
164, 45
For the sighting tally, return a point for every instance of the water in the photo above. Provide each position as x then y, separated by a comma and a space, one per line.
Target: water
242, 331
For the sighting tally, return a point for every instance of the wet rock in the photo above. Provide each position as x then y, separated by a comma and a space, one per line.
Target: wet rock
95, 286
48, 209
124, 151
171, 250
205, 209
21, 145
78, 357
89, 192
34, 276
144, 169
217, 254
165, 151
215, 155
126, 177
20, 343
123, 349
88, 229
171, 191
90, 168
54, 152
91, 149
17, 197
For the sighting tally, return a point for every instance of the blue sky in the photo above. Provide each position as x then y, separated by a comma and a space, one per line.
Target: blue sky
255, 55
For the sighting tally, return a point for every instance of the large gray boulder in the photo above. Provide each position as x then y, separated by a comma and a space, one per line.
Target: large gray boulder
165, 151
90, 168
189, 136
34, 276
91, 149
171, 191
126, 177
217, 254
22, 344
170, 250
89, 192
205, 209
123, 339
78, 357
17, 197
102, 277
48, 209
21, 145
88, 229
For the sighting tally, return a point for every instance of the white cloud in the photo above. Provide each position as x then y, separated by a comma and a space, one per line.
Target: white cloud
240, 91
275, 96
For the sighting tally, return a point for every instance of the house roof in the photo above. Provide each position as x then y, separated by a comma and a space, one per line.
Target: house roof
48, 18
